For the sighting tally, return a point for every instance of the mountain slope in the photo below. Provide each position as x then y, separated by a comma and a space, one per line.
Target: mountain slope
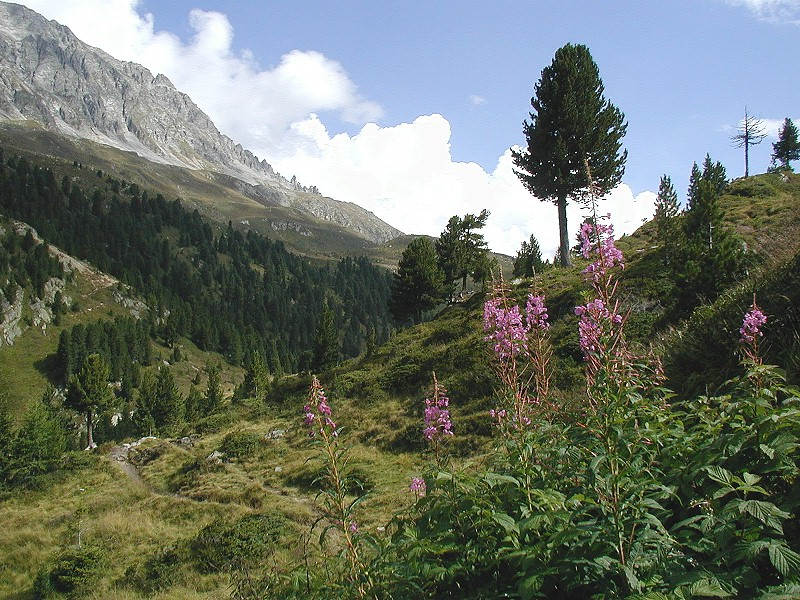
49, 76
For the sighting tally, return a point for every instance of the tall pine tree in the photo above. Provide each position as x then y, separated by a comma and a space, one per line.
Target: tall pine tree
572, 123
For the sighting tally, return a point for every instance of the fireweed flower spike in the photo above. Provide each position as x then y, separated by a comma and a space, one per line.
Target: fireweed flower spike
317, 411
521, 352
417, 486
437, 415
750, 331
600, 325
336, 507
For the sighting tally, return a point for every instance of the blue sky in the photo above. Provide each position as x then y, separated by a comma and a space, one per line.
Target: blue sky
409, 108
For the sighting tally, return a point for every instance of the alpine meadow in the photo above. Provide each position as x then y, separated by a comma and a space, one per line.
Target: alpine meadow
218, 382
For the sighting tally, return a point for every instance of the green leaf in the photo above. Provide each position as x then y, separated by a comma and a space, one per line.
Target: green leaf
709, 588
784, 559
719, 474
767, 450
782, 592
506, 522
529, 587
766, 512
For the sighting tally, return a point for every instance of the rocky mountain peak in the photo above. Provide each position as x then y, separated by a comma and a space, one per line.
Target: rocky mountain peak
50, 76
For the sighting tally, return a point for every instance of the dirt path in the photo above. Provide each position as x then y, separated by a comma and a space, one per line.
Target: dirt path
119, 454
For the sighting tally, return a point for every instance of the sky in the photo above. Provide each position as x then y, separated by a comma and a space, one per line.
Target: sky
410, 108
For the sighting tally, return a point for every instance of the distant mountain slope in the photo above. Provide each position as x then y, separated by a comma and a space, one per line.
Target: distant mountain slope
49, 76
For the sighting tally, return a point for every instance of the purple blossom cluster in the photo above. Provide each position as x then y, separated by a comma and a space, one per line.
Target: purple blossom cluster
317, 411
590, 327
750, 330
417, 485
608, 255
437, 414
536, 312
507, 328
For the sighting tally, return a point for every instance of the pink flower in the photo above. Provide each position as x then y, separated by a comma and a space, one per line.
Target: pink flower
417, 485
437, 414
536, 312
751, 325
353, 527
599, 239
318, 403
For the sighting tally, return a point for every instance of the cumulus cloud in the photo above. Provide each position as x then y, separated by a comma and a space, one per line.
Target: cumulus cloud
772, 127
216, 77
779, 11
404, 173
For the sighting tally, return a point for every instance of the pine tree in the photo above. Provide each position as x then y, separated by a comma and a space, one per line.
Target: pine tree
529, 259
418, 283
572, 123
256, 379
168, 406
787, 148
749, 133
326, 342
88, 391
213, 397
667, 229
712, 256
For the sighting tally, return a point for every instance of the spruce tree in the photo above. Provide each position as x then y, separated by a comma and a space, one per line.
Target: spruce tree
667, 210
572, 124
326, 342
787, 148
168, 405
418, 283
712, 256
213, 397
528, 261
88, 391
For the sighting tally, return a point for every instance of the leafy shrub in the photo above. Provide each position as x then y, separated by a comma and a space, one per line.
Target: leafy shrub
70, 573
240, 444
751, 188
158, 572
214, 422
223, 546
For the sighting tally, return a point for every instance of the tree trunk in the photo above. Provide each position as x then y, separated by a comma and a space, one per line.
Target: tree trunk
746, 156
562, 231
89, 440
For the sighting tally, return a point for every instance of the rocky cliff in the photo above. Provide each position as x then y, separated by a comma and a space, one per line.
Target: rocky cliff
48, 75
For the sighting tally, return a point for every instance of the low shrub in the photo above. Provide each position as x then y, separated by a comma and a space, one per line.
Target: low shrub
240, 444
70, 573
158, 572
224, 546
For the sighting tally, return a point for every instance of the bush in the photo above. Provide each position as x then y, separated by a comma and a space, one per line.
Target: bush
157, 573
224, 546
240, 444
71, 572
215, 422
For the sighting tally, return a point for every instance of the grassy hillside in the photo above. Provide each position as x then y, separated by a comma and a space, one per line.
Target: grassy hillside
148, 514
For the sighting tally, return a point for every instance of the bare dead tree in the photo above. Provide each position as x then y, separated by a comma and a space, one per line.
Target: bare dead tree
749, 133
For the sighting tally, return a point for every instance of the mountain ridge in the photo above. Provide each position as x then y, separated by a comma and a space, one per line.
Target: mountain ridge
50, 76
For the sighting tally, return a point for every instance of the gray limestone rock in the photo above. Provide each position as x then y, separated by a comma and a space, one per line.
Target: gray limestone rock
49, 76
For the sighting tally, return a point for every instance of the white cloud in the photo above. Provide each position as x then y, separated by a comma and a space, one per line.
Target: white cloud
404, 173
772, 127
253, 105
476, 100
779, 11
